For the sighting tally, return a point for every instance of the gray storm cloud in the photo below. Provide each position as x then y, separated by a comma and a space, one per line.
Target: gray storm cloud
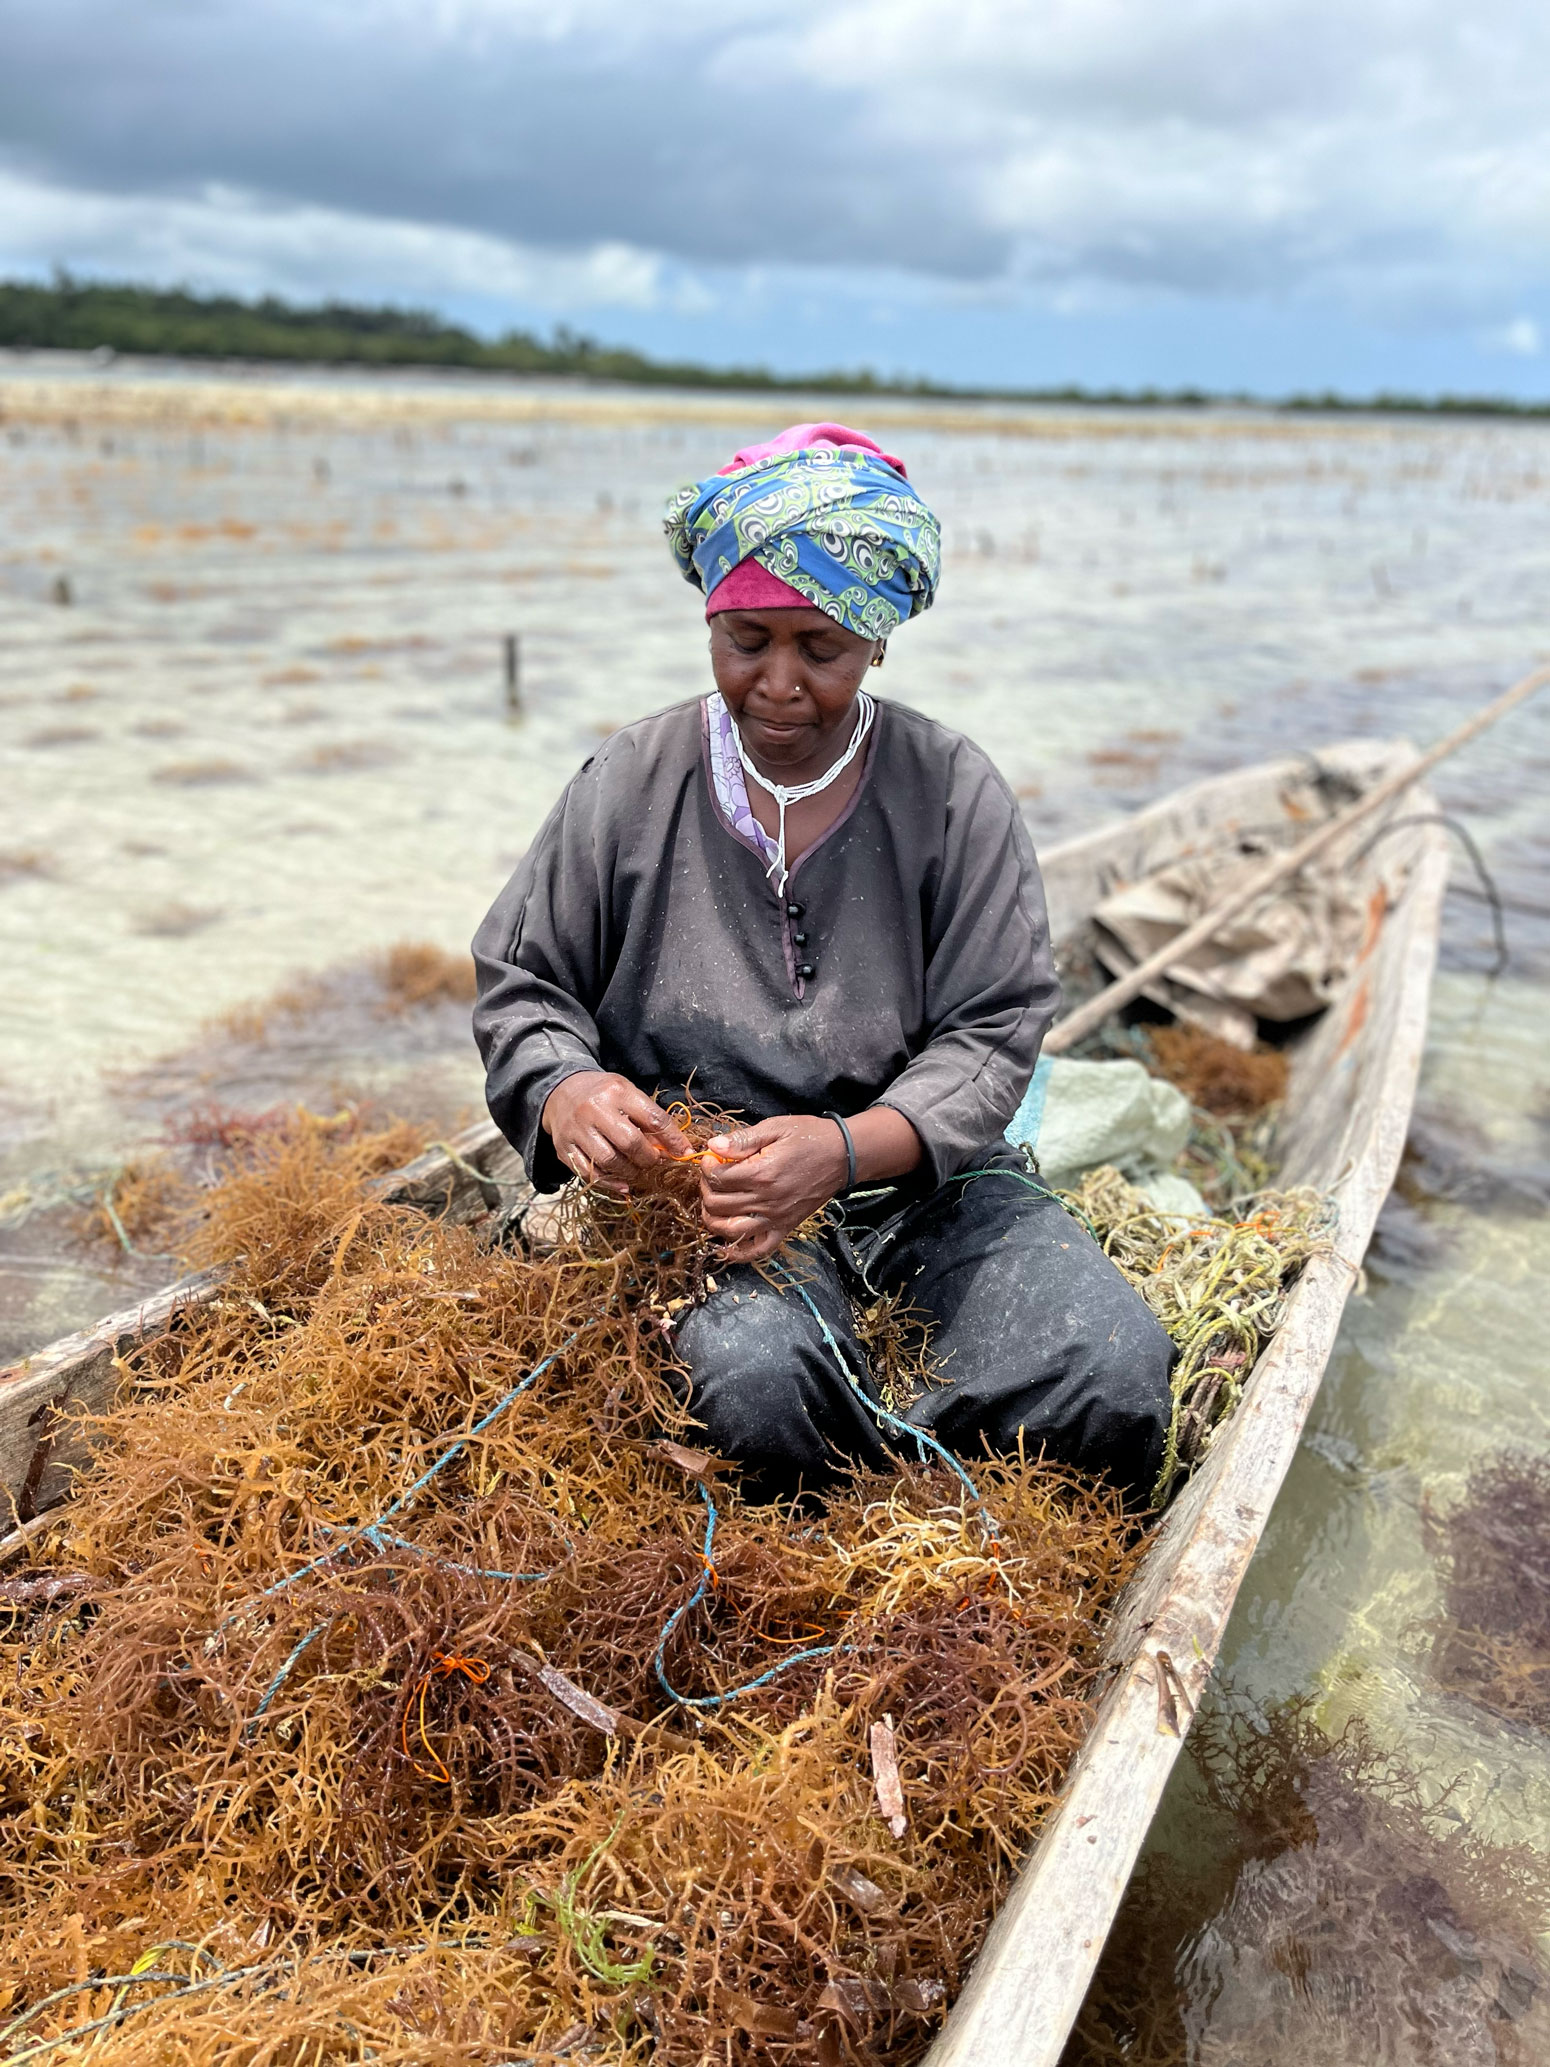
1386, 152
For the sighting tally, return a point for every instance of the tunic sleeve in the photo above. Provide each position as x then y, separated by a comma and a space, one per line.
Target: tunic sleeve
990, 984
538, 957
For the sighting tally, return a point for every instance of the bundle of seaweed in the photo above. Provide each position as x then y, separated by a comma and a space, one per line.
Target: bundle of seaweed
1325, 1913
1219, 1286
397, 1686
1494, 1646
1232, 1083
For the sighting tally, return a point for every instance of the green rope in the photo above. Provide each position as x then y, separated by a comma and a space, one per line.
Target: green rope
587, 1929
1065, 1200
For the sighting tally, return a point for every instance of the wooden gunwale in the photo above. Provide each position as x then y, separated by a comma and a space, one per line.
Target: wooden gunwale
1353, 1085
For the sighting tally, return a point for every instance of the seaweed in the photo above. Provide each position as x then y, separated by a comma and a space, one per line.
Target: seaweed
404, 1681
1493, 1646
1218, 1285
329, 1717
417, 972
1215, 1075
1334, 1917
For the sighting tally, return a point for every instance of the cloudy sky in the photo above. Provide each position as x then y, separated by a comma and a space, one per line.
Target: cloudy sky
1270, 194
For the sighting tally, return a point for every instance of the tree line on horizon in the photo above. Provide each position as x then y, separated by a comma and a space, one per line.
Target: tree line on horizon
67, 314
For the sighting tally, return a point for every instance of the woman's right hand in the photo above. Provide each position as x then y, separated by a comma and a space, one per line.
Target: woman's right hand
606, 1130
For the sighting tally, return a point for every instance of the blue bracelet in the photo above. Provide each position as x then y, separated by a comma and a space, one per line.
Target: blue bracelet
850, 1152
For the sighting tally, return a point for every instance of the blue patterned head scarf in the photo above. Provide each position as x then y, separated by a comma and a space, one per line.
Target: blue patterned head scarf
834, 522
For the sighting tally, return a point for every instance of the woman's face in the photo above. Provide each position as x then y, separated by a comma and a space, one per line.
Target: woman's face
789, 678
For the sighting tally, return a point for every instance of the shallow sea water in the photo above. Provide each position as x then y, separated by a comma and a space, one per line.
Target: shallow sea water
265, 736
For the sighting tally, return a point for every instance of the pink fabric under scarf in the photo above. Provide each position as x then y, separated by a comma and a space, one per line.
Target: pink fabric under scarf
750, 586
800, 436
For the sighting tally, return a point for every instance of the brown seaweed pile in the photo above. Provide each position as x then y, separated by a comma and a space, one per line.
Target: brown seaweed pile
1494, 1645
1230, 1082
1327, 1917
418, 972
335, 1718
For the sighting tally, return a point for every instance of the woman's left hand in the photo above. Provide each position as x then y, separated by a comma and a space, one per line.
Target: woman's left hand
760, 1183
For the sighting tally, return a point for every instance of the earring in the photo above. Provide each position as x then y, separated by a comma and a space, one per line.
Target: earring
881, 654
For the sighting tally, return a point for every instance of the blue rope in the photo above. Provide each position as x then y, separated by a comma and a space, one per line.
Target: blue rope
374, 1533
673, 1620
922, 1436
284, 1674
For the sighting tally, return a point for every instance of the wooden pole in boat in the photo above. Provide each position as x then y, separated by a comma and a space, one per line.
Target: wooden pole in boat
1076, 1027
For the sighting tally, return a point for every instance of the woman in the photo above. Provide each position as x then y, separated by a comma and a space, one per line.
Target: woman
824, 910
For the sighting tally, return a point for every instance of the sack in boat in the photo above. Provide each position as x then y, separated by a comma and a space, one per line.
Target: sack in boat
1079, 1115
1280, 960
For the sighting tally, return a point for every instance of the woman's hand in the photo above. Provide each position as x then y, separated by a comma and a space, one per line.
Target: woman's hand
607, 1131
760, 1183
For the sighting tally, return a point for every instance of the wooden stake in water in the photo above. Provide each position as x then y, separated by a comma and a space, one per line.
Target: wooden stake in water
513, 676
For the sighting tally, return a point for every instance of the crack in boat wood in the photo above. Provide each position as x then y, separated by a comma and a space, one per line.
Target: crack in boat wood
51, 1415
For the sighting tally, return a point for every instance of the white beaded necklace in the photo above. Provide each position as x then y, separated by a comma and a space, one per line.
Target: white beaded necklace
865, 711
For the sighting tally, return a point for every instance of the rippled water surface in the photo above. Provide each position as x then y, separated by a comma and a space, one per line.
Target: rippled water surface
252, 725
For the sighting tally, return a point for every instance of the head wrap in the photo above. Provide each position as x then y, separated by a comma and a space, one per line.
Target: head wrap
752, 587
824, 512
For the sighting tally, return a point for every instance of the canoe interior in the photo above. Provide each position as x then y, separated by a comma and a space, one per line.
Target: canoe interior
1348, 1107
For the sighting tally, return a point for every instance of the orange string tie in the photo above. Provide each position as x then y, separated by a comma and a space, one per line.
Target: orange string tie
995, 1550
443, 1665
1189, 1234
811, 1632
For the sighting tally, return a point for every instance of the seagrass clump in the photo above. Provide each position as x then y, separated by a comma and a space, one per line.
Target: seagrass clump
402, 1684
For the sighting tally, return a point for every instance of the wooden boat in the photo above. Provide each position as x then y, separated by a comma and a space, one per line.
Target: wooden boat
1348, 1108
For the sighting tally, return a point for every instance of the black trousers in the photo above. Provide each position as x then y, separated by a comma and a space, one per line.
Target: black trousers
1035, 1334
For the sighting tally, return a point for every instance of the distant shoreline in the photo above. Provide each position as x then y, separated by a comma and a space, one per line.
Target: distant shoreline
112, 319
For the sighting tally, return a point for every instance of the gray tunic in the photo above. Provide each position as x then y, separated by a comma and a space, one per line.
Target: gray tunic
641, 934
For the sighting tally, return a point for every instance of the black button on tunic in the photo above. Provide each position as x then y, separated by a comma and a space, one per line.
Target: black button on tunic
640, 933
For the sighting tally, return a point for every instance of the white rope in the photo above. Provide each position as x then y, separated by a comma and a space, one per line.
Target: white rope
866, 710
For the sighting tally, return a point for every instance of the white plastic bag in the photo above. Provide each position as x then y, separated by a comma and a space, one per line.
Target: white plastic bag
1077, 1115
